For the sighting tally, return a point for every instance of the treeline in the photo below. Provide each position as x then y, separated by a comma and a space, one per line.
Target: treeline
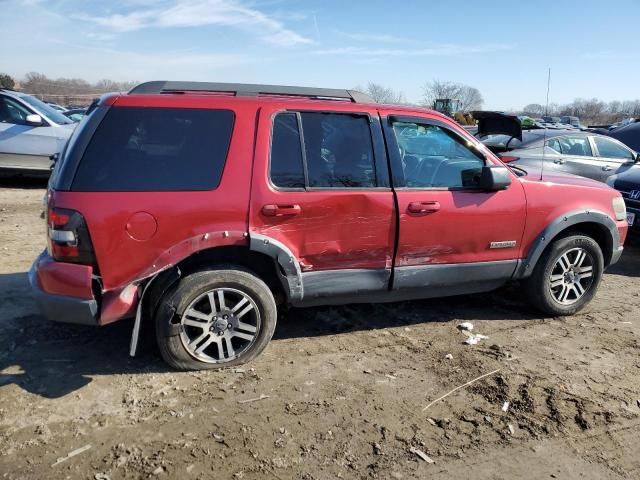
590, 111
69, 91
470, 98
65, 91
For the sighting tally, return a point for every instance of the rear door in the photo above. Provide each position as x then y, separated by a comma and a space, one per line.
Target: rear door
577, 157
320, 190
453, 236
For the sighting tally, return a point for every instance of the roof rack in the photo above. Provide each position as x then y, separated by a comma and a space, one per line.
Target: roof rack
246, 89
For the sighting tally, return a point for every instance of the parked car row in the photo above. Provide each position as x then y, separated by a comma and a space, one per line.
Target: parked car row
75, 113
582, 153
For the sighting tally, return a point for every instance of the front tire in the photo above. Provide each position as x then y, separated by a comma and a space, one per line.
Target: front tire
214, 319
567, 276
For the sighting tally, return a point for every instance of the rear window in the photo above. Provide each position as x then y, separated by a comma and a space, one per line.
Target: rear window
156, 149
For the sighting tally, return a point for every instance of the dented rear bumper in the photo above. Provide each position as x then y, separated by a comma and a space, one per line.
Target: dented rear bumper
63, 291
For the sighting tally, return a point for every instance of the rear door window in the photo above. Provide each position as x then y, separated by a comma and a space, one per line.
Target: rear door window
156, 149
555, 145
339, 150
576, 146
287, 170
336, 151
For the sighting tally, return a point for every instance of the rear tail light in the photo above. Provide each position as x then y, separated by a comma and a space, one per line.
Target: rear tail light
68, 237
508, 158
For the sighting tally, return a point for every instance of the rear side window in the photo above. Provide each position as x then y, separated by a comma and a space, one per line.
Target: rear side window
337, 152
287, 170
156, 149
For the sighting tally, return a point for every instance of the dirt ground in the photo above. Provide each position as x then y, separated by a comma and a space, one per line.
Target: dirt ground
339, 393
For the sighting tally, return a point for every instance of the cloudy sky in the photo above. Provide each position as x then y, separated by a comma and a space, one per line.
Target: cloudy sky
501, 47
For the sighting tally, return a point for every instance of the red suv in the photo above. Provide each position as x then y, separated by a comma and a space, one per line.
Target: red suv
203, 207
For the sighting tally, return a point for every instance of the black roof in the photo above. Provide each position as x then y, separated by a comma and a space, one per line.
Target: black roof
246, 89
629, 135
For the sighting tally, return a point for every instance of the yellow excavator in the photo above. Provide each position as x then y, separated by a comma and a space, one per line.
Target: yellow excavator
451, 108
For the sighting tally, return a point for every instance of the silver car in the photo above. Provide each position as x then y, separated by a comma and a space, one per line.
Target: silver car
30, 132
580, 153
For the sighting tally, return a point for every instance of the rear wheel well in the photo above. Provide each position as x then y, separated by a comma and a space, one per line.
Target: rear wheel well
263, 266
596, 231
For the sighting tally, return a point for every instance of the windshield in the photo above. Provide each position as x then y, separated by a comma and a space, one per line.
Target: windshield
50, 112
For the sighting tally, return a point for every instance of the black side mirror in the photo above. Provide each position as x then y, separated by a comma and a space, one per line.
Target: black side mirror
637, 157
494, 178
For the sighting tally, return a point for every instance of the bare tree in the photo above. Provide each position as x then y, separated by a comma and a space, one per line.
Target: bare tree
615, 106
470, 97
381, 94
590, 111
631, 107
107, 85
6, 81
533, 109
69, 90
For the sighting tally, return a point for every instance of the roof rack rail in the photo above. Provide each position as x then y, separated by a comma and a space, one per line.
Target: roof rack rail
246, 89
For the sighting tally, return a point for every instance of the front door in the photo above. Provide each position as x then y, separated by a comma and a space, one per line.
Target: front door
451, 233
321, 191
613, 156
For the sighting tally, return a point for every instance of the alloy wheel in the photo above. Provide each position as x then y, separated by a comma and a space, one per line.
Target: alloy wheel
571, 276
220, 325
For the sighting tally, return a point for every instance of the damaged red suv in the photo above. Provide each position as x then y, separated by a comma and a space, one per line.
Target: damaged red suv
203, 208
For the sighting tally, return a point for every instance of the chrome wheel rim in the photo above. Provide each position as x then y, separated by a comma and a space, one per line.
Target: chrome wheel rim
220, 325
571, 276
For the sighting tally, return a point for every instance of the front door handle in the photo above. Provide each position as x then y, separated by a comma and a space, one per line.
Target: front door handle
607, 168
559, 161
423, 207
281, 210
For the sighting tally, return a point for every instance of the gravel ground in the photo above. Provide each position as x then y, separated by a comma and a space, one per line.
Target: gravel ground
339, 393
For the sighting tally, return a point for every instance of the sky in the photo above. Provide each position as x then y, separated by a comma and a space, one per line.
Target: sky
503, 48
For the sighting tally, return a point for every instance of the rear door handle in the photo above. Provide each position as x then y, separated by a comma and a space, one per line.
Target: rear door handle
423, 207
559, 161
281, 210
607, 168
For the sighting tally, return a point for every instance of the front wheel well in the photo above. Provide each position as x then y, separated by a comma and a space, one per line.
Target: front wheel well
598, 232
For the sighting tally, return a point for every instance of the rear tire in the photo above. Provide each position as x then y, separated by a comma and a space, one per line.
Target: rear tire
215, 319
566, 276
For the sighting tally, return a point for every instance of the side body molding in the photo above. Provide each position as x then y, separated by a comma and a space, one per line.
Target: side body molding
562, 223
292, 278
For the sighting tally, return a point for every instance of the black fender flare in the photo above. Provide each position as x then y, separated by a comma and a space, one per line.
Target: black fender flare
285, 259
560, 224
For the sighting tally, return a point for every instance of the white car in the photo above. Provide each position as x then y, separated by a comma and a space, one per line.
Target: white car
30, 132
